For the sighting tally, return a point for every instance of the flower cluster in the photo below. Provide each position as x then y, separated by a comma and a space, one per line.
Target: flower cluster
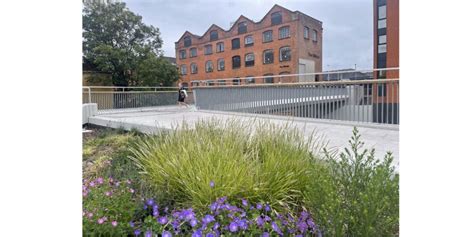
223, 218
108, 205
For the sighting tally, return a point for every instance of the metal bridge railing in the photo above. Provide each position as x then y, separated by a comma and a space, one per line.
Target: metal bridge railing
110, 98
366, 101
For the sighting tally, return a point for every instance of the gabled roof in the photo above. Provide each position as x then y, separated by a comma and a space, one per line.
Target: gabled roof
238, 20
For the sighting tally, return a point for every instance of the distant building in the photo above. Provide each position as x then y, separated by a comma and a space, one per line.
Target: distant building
172, 60
347, 74
283, 42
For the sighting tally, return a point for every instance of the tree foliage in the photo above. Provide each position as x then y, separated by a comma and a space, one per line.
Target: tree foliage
116, 41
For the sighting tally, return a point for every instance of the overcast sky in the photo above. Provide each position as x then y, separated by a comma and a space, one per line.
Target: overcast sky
347, 24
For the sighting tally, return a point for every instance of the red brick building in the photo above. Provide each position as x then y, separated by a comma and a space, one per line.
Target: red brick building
282, 42
386, 55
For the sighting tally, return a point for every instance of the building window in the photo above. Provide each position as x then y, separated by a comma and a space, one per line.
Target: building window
268, 78
248, 40
184, 70
221, 82
220, 47
210, 82
214, 35
236, 43
209, 67
242, 27
315, 36
249, 80
236, 61
192, 52
306, 32
285, 54
268, 56
382, 24
382, 12
382, 39
182, 54
382, 48
187, 41
208, 49
284, 32
236, 81
267, 36
194, 83
381, 60
249, 59
382, 90
194, 68
220, 64
276, 18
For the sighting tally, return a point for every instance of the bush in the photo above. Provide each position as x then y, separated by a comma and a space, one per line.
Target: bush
355, 194
108, 206
271, 163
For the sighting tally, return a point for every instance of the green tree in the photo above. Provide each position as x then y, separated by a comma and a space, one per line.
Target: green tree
116, 41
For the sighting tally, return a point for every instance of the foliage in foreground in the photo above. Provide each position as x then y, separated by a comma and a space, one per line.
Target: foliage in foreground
270, 164
354, 194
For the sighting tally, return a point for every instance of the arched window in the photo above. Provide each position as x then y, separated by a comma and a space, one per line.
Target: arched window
214, 35
194, 68
187, 41
249, 59
284, 32
268, 78
236, 43
236, 81
236, 61
220, 64
242, 27
268, 56
184, 70
248, 40
209, 67
285, 54
276, 18
249, 80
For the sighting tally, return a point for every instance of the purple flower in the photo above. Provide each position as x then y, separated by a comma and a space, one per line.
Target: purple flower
276, 228
197, 233
210, 235
302, 226
244, 202
150, 202
216, 226
243, 224
233, 227
137, 232
92, 184
100, 180
163, 220
267, 218
311, 223
193, 222
212, 184
114, 223
304, 215
267, 207
298, 235
213, 206
132, 224
155, 213
259, 206
260, 221
166, 234
208, 219
148, 234
101, 220
265, 234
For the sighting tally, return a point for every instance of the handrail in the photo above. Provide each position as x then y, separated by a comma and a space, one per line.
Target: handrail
89, 89
348, 82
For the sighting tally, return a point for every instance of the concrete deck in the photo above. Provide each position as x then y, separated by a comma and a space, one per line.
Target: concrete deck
381, 137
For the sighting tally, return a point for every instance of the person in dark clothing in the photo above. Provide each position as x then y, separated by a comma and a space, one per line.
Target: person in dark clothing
182, 94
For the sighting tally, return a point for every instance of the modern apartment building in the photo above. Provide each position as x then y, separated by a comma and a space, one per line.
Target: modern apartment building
282, 42
386, 55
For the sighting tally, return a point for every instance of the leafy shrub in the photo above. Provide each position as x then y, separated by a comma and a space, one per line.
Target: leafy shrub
108, 206
223, 219
271, 163
355, 194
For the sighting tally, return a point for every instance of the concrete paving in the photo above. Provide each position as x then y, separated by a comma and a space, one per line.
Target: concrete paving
383, 138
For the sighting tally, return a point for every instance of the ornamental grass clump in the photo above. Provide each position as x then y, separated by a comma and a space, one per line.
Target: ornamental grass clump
270, 163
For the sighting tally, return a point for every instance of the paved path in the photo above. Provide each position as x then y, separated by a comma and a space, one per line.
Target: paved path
381, 137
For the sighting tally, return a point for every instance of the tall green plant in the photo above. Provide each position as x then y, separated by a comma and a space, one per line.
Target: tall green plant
355, 194
199, 164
